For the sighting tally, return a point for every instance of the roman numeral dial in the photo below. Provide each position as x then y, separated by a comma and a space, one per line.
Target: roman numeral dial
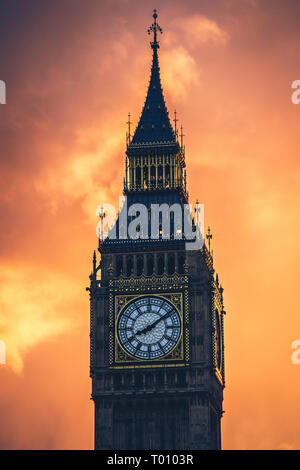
149, 328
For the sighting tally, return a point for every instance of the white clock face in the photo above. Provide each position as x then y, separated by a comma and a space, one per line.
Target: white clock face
149, 328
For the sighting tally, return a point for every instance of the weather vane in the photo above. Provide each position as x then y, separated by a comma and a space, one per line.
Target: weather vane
154, 27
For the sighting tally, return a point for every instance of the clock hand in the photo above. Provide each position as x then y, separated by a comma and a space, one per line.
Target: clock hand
152, 325
148, 327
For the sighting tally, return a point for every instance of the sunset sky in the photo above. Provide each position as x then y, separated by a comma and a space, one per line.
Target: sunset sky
73, 70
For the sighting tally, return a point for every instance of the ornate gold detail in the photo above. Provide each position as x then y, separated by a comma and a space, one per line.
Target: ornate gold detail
180, 351
187, 330
216, 309
144, 283
111, 341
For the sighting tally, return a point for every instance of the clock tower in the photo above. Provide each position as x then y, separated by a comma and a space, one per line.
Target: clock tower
156, 308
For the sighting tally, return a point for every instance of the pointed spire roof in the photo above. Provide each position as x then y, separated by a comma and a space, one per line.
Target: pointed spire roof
154, 128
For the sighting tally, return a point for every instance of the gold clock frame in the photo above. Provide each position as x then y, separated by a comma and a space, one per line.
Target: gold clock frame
120, 358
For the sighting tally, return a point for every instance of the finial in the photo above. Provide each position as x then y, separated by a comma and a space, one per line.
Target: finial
102, 215
181, 137
221, 290
197, 211
154, 27
175, 122
94, 262
209, 237
126, 172
128, 133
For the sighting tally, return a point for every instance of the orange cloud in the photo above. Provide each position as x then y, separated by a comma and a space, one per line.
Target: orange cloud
179, 72
35, 306
200, 30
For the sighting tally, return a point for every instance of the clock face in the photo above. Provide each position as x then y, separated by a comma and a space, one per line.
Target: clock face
149, 328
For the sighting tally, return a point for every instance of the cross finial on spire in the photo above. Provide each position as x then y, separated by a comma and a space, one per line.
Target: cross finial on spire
154, 28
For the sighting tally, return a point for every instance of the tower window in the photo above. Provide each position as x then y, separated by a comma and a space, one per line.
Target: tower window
119, 265
160, 378
160, 174
140, 265
129, 265
149, 265
171, 378
138, 176
181, 380
149, 381
139, 380
160, 265
117, 382
171, 263
127, 380
181, 262
152, 174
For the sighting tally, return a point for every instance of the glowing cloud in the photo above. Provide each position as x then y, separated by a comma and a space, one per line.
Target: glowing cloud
180, 72
35, 306
201, 30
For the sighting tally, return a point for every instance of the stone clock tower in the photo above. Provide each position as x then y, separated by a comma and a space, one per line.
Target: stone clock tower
157, 342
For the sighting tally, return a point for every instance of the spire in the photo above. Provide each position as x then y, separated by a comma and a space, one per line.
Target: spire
154, 128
